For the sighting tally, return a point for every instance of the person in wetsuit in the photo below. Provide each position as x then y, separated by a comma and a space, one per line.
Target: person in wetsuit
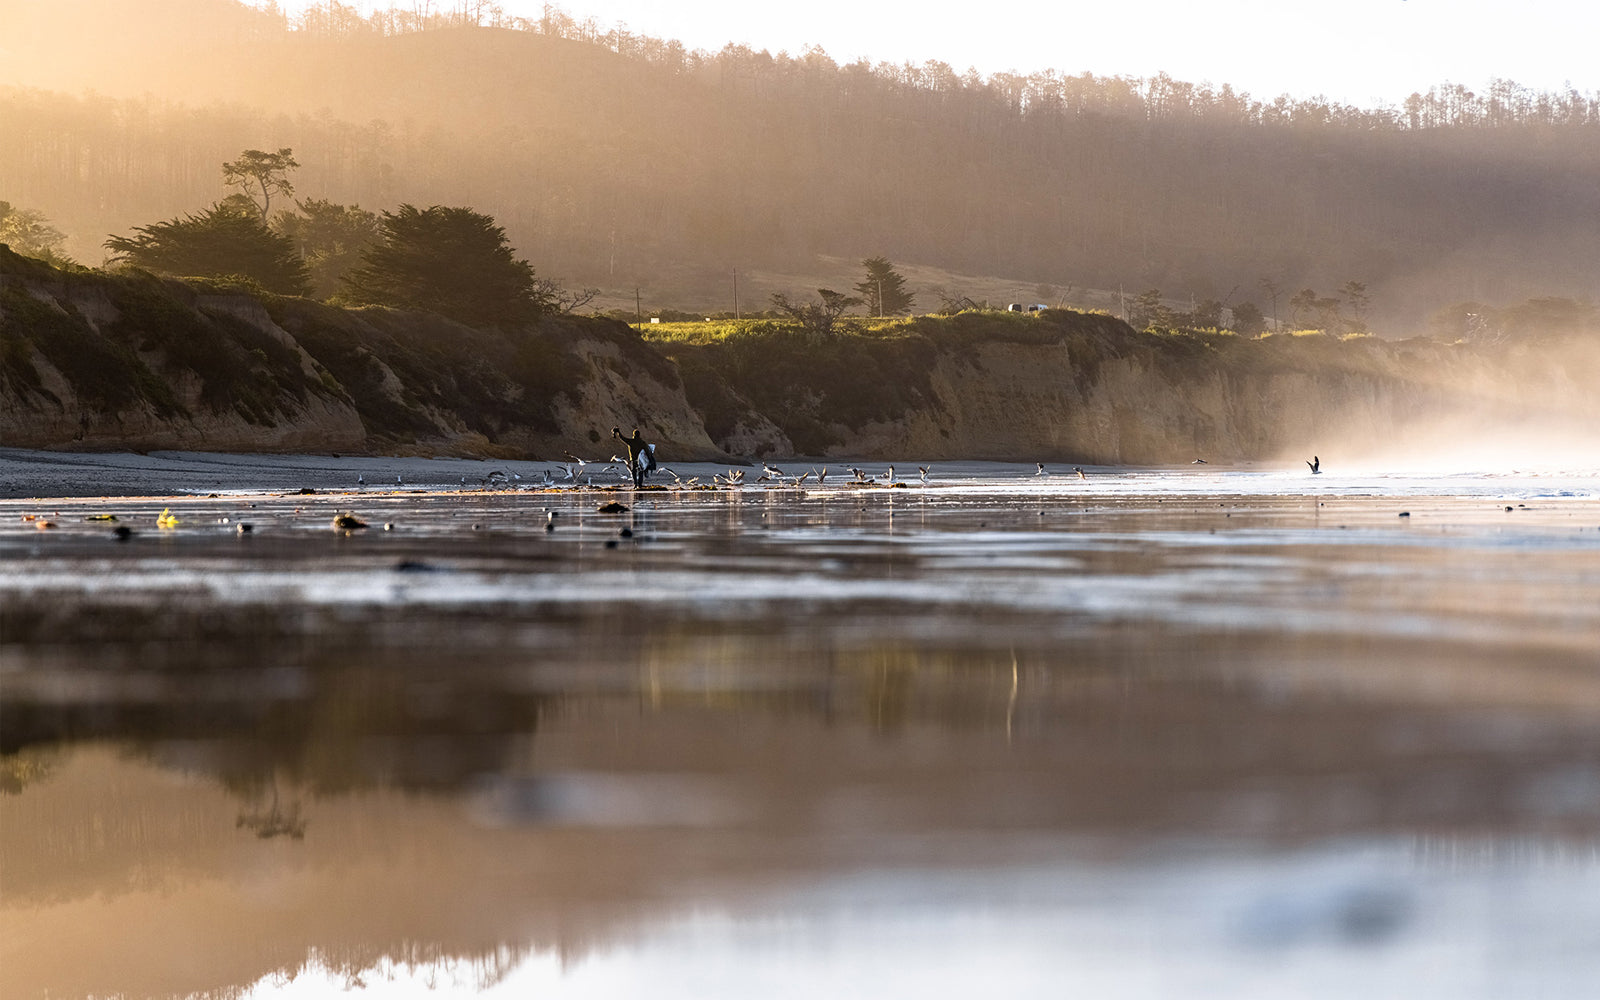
641, 456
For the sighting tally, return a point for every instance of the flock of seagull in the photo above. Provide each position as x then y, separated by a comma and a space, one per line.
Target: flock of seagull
576, 472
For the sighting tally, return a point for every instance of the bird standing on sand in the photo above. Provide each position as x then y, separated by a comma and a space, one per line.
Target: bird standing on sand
1316, 465
1079, 470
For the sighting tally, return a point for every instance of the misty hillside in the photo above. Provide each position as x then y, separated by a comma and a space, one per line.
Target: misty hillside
618, 161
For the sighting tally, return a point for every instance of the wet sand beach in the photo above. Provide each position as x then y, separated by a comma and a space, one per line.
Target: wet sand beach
1181, 732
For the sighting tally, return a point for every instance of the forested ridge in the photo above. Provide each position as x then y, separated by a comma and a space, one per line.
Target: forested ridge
621, 160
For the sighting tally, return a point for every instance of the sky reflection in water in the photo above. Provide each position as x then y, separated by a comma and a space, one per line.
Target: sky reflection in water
1163, 736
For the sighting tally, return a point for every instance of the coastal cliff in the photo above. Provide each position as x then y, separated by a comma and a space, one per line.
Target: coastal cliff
1069, 386
131, 361
95, 361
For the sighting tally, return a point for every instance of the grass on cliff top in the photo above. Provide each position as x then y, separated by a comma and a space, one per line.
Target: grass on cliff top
971, 325
819, 388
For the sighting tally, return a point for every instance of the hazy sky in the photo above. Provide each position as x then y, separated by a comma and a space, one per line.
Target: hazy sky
1357, 51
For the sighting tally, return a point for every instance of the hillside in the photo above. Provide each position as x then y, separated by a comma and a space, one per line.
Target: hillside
98, 361
628, 162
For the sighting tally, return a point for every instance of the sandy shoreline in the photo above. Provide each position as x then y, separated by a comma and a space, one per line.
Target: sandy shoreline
52, 475
47, 474
29, 474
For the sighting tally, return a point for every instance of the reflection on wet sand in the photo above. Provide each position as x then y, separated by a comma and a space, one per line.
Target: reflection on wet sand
954, 736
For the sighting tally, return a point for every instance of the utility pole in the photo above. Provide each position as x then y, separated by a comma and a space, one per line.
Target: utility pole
638, 310
880, 298
736, 294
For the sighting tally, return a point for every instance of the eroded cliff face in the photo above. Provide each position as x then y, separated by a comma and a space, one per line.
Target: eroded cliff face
616, 391
133, 362
1029, 403
112, 362
1092, 390
93, 365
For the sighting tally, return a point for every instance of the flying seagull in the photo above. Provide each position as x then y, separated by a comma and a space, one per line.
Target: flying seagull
1316, 465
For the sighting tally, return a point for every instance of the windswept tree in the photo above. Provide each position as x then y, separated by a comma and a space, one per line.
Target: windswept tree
1248, 320
1303, 307
1316, 312
557, 298
1149, 311
452, 261
1355, 296
952, 302
883, 288
331, 238
817, 317
26, 232
259, 172
1207, 315
220, 242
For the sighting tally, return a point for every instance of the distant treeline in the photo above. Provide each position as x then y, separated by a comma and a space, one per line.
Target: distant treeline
1047, 92
619, 160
